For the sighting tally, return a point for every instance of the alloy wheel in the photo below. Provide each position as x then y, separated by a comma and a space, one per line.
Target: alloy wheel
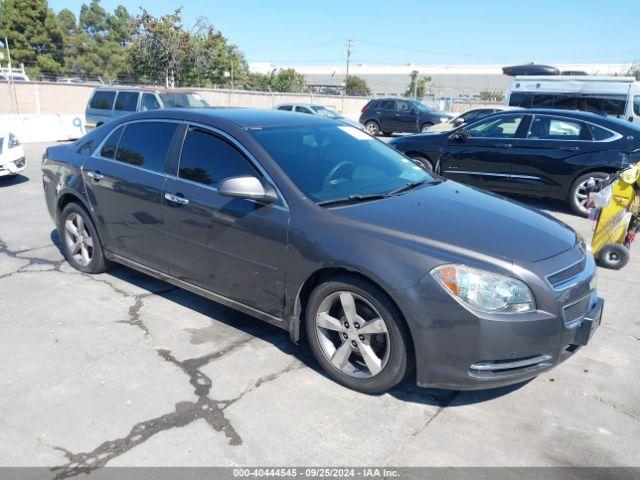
372, 128
352, 334
78, 239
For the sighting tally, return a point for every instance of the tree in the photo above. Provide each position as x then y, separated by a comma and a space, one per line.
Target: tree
287, 80
634, 71
34, 35
417, 86
491, 96
357, 86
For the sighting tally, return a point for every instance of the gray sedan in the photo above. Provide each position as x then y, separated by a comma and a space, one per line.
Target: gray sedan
328, 233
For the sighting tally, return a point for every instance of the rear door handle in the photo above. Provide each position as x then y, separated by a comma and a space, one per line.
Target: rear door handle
176, 198
571, 149
503, 145
96, 176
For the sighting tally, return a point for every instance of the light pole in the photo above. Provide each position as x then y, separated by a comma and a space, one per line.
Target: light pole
346, 76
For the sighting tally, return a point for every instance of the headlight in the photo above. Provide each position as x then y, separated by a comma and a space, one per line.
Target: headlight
13, 141
485, 291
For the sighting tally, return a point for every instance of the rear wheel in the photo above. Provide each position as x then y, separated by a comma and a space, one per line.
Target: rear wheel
579, 192
614, 256
372, 128
357, 335
80, 242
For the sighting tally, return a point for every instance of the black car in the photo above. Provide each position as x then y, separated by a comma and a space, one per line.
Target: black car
317, 227
391, 115
557, 154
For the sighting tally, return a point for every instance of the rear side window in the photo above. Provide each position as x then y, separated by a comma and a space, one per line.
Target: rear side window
149, 102
103, 100
388, 104
552, 128
285, 107
145, 144
303, 110
636, 106
207, 159
127, 101
109, 147
374, 104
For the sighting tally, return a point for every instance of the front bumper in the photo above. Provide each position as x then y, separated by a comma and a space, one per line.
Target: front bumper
12, 167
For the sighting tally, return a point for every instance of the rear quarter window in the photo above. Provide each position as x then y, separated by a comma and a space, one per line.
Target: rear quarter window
600, 134
102, 100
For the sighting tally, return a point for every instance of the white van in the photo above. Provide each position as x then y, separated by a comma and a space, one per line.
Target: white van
613, 96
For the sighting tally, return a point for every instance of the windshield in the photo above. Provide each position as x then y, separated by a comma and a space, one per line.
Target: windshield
327, 112
331, 162
183, 100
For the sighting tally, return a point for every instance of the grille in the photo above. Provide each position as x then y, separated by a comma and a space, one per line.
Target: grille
576, 311
558, 278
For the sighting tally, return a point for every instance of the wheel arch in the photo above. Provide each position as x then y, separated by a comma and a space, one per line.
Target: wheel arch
591, 169
298, 316
73, 197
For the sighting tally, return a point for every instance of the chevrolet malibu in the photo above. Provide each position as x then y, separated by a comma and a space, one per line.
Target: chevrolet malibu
318, 228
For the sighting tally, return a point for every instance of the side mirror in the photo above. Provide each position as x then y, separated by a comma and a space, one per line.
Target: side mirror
458, 121
248, 188
459, 135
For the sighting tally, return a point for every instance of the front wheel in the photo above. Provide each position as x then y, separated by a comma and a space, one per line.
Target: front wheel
357, 335
579, 192
425, 127
80, 242
422, 162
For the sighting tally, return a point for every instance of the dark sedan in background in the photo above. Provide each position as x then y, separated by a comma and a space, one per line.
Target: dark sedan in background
316, 227
396, 115
557, 154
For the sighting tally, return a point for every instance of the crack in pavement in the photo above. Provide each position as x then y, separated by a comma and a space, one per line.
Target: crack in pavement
185, 413
31, 261
135, 309
443, 405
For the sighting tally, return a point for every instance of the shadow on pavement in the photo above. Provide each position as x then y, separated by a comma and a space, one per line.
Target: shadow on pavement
13, 180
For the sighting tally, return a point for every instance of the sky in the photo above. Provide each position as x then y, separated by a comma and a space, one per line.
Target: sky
422, 32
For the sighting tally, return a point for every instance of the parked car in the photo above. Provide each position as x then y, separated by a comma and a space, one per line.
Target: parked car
537, 152
108, 103
313, 109
613, 96
315, 226
391, 115
467, 117
12, 160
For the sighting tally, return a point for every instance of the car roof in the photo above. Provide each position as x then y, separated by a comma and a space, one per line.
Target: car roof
145, 89
577, 114
241, 117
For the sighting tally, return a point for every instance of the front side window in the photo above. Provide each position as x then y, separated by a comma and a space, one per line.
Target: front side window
103, 100
145, 144
636, 105
127, 101
552, 128
504, 126
109, 147
404, 107
149, 102
207, 159
331, 162
286, 108
300, 109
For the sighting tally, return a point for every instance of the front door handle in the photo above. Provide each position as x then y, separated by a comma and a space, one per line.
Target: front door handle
571, 149
96, 176
176, 198
503, 145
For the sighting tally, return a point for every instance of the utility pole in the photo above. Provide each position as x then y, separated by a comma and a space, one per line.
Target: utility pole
415, 86
10, 83
346, 76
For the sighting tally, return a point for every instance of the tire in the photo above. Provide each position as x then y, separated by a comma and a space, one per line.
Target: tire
387, 134
425, 127
372, 128
577, 192
390, 351
613, 256
88, 256
423, 162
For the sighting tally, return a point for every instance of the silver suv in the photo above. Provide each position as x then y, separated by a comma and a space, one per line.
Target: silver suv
108, 103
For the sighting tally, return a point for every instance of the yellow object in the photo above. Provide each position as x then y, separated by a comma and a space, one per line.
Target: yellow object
614, 219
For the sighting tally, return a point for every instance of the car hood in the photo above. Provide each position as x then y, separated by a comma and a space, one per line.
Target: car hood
460, 219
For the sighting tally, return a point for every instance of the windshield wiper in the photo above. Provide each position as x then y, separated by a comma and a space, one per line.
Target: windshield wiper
410, 185
351, 199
